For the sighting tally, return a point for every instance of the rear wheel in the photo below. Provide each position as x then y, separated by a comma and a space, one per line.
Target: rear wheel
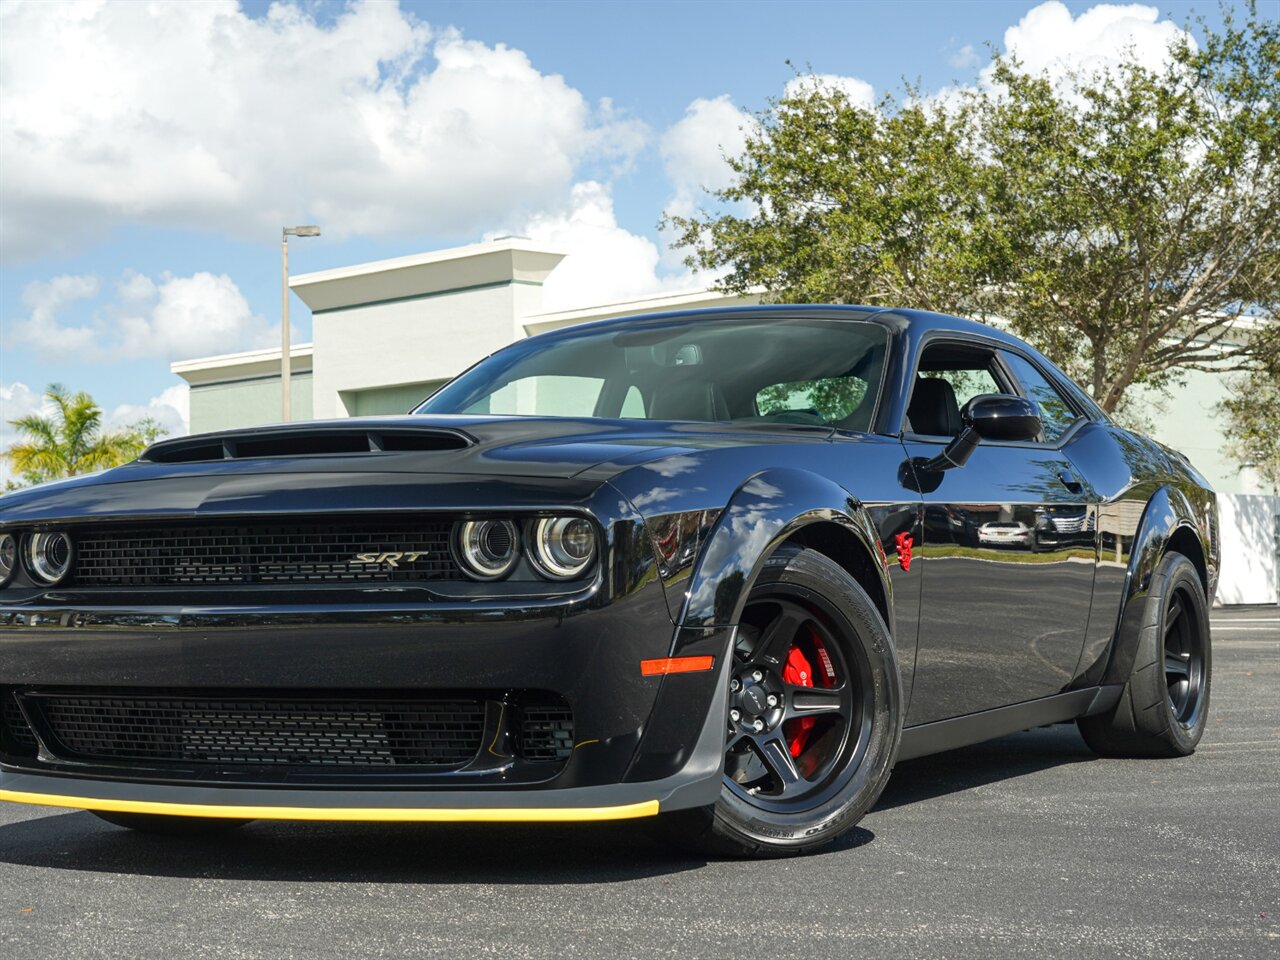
814, 717
1165, 702
170, 826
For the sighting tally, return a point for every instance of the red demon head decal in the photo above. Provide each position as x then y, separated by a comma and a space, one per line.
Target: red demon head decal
904, 542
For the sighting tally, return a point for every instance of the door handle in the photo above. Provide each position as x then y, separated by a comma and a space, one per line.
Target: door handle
1069, 481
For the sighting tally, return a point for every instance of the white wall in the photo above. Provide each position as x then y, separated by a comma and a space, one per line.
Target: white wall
1187, 420
409, 341
1248, 527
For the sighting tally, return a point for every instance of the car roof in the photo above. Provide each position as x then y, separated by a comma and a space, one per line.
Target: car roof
898, 319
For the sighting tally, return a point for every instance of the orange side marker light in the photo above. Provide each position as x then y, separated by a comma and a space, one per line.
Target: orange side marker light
664, 665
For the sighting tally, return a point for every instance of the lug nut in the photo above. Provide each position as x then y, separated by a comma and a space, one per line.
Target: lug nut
757, 676
758, 726
735, 716
773, 700
734, 685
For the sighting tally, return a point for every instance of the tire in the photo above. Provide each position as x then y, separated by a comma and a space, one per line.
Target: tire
170, 826
1164, 705
852, 705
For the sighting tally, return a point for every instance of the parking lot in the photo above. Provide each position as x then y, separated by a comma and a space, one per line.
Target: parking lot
1026, 846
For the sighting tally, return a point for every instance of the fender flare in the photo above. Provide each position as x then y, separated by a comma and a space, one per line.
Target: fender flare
765, 511
1166, 512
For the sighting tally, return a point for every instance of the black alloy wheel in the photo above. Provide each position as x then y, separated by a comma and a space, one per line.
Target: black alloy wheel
792, 740
1184, 673
1164, 703
814, 714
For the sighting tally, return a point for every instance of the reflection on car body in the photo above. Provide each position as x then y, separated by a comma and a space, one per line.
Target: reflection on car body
1005, 533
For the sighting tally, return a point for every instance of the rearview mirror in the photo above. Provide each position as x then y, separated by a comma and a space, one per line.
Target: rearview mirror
999, 417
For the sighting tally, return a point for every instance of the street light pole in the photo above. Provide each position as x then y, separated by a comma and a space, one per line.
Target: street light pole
286, 362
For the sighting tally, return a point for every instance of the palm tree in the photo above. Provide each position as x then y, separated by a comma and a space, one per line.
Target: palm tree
71, 441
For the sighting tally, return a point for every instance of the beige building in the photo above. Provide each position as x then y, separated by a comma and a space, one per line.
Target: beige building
386, 335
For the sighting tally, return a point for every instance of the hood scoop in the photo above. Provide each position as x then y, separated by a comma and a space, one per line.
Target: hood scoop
303, 441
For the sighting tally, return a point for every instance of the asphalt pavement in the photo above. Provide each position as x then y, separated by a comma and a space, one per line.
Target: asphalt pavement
1028, 846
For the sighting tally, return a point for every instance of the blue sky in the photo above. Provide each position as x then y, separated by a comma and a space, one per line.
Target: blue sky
149, 153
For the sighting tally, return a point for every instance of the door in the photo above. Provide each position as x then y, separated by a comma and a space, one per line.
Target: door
1008, 556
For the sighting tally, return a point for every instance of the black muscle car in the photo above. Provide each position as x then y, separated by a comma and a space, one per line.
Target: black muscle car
726, 566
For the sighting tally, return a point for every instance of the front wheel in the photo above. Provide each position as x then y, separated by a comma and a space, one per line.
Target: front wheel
815, 714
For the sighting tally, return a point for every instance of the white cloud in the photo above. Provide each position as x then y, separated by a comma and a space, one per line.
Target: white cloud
173, 318
172, 409
197, 115
859, 92
16, 400
694, 149
46, 299
965, 56
605, 262
1049, 39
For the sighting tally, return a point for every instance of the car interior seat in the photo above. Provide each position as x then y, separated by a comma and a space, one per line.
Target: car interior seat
933, 410
688, 398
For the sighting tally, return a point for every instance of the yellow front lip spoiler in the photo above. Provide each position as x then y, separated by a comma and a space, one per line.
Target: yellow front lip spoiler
629, 811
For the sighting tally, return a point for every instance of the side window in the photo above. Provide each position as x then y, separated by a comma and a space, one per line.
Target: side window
1055, 412
949, 376
830, 399
967, 384
543, 396
633, 405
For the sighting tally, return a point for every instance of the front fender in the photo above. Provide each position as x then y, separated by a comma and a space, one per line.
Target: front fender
765, 511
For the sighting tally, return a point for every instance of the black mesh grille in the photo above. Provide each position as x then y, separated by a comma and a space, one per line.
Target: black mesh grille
289, 732
265, 552
17, 735
546, 733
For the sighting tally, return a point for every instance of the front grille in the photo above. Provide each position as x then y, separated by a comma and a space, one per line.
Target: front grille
255, 732
1068, 524
265, 552
546, 732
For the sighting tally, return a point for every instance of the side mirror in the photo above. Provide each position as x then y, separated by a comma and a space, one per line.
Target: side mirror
988, 416
1002, 416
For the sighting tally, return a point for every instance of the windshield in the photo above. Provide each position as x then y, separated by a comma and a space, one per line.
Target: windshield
742, 370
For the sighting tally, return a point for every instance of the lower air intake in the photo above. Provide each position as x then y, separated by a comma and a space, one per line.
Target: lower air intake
546, 733
267, 732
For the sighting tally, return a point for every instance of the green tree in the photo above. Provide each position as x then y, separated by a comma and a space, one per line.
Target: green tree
845, 204
71, 441
1125, 221
1142, 208
1253, 424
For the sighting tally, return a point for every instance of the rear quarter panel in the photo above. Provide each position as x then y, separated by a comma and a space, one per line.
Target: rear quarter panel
1146, 494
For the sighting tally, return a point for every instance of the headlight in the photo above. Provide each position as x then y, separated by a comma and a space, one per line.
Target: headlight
8, 557
49, 556
562, 547
487, 549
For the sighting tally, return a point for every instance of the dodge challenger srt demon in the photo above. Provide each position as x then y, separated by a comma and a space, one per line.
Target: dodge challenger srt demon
725, 566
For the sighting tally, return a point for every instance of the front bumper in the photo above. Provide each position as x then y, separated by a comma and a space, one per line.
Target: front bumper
641, 743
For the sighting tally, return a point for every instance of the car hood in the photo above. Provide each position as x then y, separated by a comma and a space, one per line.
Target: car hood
283, 462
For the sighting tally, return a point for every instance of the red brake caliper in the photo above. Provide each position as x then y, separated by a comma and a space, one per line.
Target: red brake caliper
799, 672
